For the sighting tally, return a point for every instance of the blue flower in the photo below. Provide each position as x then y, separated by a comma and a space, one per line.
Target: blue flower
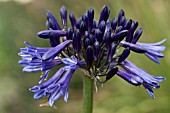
58, 85
33, 58
137, 76
95, 46
154, 50
55, 87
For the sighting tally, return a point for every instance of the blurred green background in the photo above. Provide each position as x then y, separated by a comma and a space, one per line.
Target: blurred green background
20, 20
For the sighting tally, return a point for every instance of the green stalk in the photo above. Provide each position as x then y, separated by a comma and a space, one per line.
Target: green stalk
87, 94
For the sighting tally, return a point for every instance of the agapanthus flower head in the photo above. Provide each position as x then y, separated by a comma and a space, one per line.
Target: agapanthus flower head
99, 47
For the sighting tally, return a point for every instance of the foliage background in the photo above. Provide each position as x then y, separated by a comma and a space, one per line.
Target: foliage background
20, 20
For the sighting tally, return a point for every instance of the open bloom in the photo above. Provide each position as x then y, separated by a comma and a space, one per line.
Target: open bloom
153, 50
137, 76
92, 46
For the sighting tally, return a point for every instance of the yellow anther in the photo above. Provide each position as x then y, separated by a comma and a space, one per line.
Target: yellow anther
47, 105
42, 74
44, 104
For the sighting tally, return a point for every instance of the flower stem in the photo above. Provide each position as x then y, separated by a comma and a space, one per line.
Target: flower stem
87, 94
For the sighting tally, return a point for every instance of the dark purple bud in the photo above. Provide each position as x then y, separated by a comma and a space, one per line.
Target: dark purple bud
104, 15
108, 26
137, 49
119, 36
112, 51
106, 38
47, 24
78, 23
137, 35
120, 15
96, 49
136, 23
87, 42
54, 39
127, 24
83, 27
131, 31
98, 35
45, 34
72, 19
63, 14
133, 47
70, 33
102, 26
77, 41
114, 24
124, 55
53, 52
84, 18
89, 56
111, 73
90, 15
122, 21
53, 21
86, 35
118, 29
92, 38
93, 31
94, 24
51, 25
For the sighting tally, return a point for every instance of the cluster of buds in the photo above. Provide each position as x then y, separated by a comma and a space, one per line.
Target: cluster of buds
100, 48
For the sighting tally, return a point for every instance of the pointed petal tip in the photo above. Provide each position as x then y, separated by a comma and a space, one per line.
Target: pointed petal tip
150, 92
51, 103
164, 40
48, 12
66, 97
164, 79
153, 97
23, 71
27, 43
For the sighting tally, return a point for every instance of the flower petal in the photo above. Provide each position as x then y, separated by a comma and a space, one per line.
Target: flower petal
53, 52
